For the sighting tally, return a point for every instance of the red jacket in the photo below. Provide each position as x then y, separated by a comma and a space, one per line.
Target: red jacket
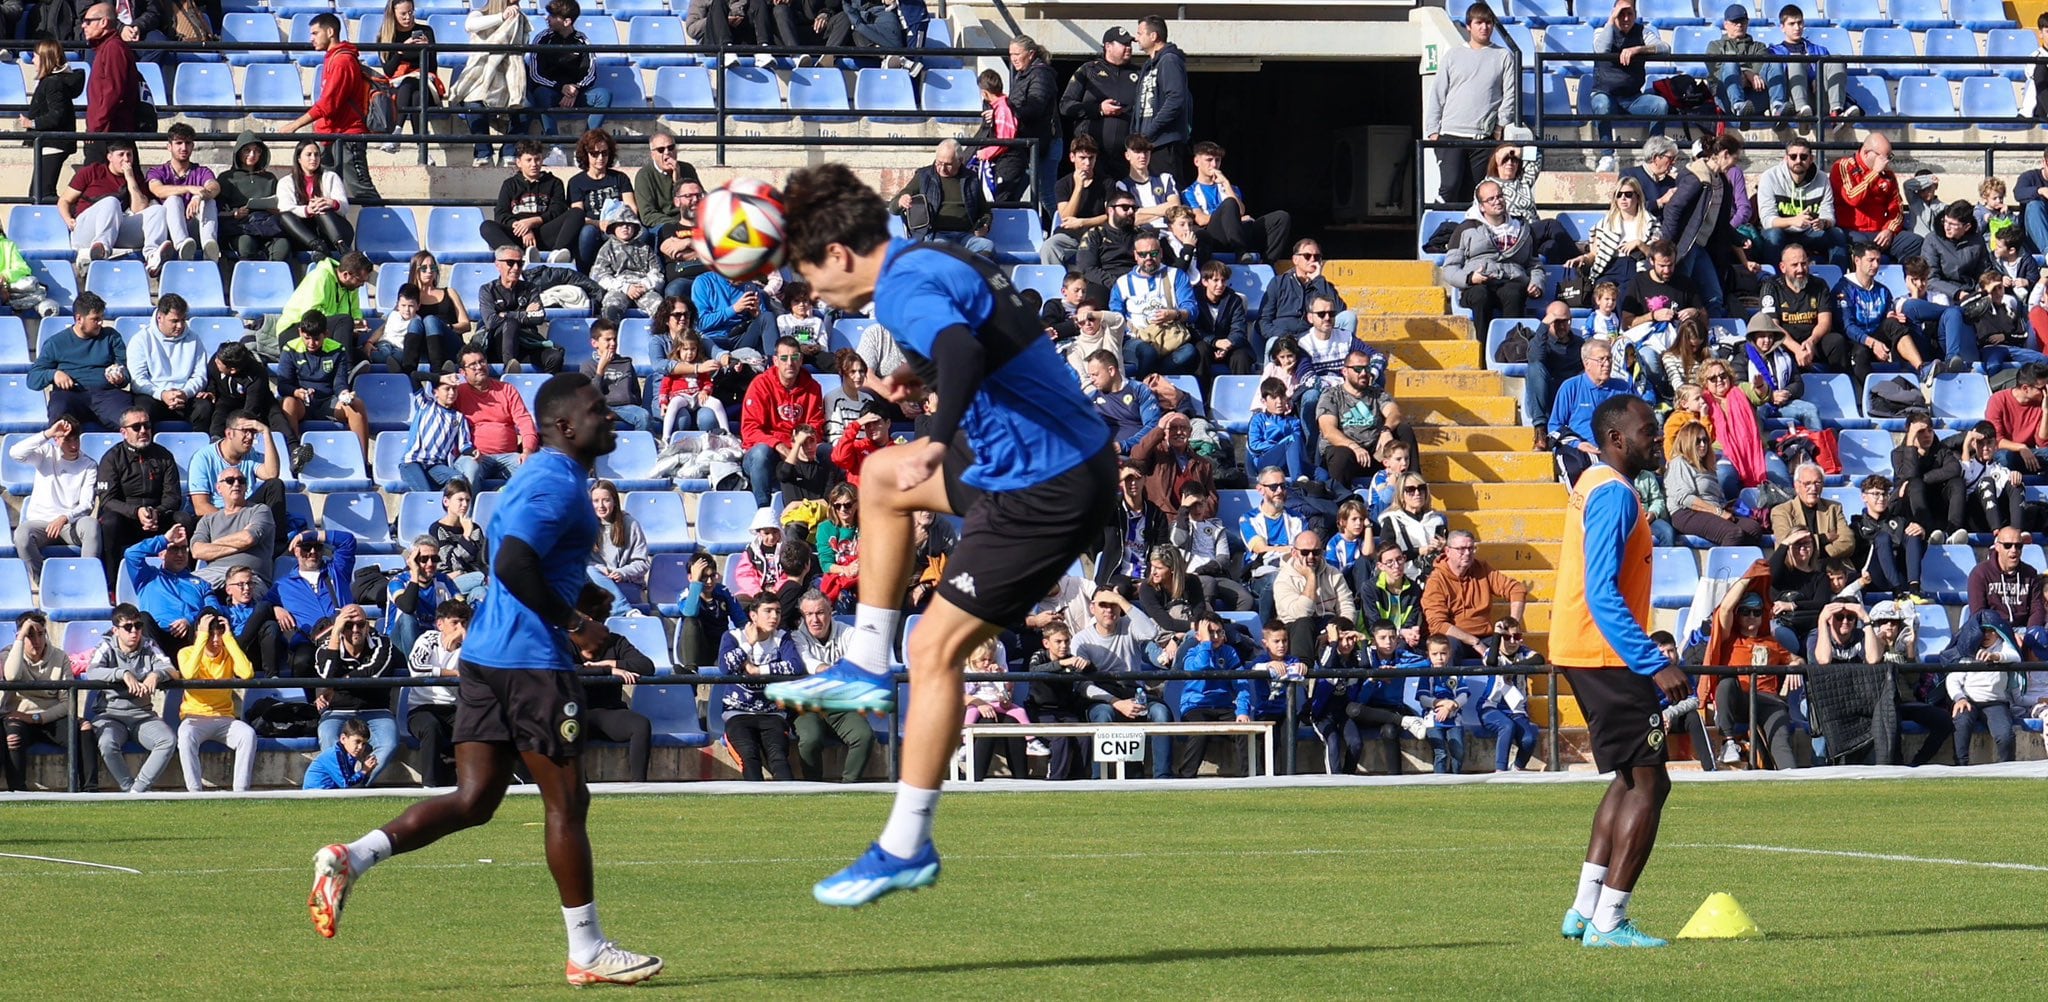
1866, 201
770, 410
853, 448
115, 90
344, 92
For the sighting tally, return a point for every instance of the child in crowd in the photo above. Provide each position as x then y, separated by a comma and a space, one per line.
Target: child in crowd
1283, 358
1688, 407
1268, 699
861, 438
1447, 698
1396, 458
1504, 710
1353, 539
1993, 217
993, 703
2019, 270
629, 271
1605, 320
1055, 702
314, 383
804, 477
1994, 313
613, 374
803, 322
348, 764
685, 393
405, 311
1275, 438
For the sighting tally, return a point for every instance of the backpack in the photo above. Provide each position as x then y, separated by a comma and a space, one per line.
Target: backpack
1439, 241
189, 23
1690, 98
1514, 346
370, 585
1819, 446
1893, 397
383, 114
284, 718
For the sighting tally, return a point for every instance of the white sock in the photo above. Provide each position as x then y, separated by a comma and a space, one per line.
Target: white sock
873, 630
368, 851
585, 937
1590, 877
910, 821
1612, 911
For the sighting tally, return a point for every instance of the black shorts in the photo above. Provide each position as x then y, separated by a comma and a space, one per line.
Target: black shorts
1624, 717
531, 710
1015, 545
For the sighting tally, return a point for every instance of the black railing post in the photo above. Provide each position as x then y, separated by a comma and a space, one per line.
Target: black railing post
1555, 764
1290, 723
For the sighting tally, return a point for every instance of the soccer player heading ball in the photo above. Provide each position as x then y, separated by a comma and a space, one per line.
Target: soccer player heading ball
1013, 448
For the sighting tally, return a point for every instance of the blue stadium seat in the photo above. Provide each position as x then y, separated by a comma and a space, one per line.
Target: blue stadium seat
1832, 37
1981, 15
951, 95
672, 709
1016, 235
183, 445
253, 29
644, 633
1250, 281
684, 89
755, 89
723, 518
1945, 573
387, 235
454, 235
1870, 93
1866, 451
1232, 505
630, 465
1954, 42
364, 515
369, 23
629, 94
387, 450
818, 94
1855, 15
1496, 333
635, 342
467, 278
656, 28
448, 27
879, 90
81, 636
417, 512
1936, 632
1665, 14
1960, 399
123, 284
1990, 103
1731, 561
1045, 278
1833, 395
1849, 497
1890, 42
1541, 13
1557, 99
216, 331
1231, 399
1891, 276
338, 463
1920, 15
1572, 39
40, 232
1675, 577
259, 288
298, 511
72, 588
1580, 224
661, 517
13, 345
1691, 40
602, 29
2009, 47
390, 277
17, 477
272, 85
199, 283
1432, 220
668, 580
13, 91
528, 384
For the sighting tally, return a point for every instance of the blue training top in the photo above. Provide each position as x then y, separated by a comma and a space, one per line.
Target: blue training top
547, 504
1029, 422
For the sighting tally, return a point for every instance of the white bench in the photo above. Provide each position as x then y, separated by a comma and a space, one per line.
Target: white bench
963, 761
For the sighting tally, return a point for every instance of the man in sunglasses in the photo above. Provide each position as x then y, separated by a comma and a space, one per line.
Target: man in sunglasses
1309, 594
1797, 206
140, 491
1105, 253
2008, 585
1284, 310
655, 186
128, 657
237, 534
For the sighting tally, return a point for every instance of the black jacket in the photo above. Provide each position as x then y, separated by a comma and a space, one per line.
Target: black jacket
1153, 532
1169, 116
52, 108
132, 479
519, 198
1081, 103
1228, 319
376, 661
1034, 97
1105, 255
607, 694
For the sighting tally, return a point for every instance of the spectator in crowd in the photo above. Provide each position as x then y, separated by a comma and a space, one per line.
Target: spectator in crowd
330, 290
1204, 547
38, 715
1871, 321
1792, 84
1221, 328
714, 22
185, 193
804, 474
1126, 405
1957, 253
1283, 312
1796, 205
1992, 492
1457, 600
756, 568
1890, 545
235, 450
1492, 264
657, 185
59, 508
1804, 310
438, 448
757, 729
493, 80
1476, 92
343, 102
708, 610
254, 622
2020, 419
352, 650
2031, 192
460, 538
412, 600
631, 275
113, 94
1034, 99
1418, 529
1101, 98
314, 381
347, 764
499, 424
1082, 198
84, 368
731, 315
1553, 352
108, 208
607, 667
819, 643
845, 403
1693, 494
1266, 532
1059, 702
209, 714
412, 68
614, 375
1104, 253
1930, 482
592, 190
1157, 192
1657, 174
138, 485
993, 702
1165, 111
1113, 644
1156, 302
1736, 430
1620, 241
1698, 220
1131, 533
619, 562
1661, 280
1445, 698
1349, 420
1309, 595
1204, 700
52, 108
561, 71
251, 225
1170, 466
776, 402
1618, 87
1800, 586
308, 600
129, 658
1981, 693
170, 595
1774, 384
430, 712
532, 212
1738, 78
944, 202
1504, 702
167, 368
684, 396
513, 326
235, 535
1275, 436
2006, 585
1742, 618
1571, 413
1868, 202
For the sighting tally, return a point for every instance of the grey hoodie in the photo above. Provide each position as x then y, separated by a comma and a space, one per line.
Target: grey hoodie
111, 664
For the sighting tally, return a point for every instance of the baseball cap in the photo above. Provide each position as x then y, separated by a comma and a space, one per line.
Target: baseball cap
1736, 12
1117, 35
1752, 600
1887, 610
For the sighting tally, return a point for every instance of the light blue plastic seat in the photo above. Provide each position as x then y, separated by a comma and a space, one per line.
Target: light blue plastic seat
723, 520
387, 235
338, 463
199, 283
1989, 103
876, 91
39, 231
661, 517
631, 464
454, 234
757, 91
259, 288
683, 93
951, 95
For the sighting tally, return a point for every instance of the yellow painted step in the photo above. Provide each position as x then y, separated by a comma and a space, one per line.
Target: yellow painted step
1397, 301
1506, 438
1407, 382
1534, 525
1486, 467
1356, 272
1513, 557
1495, 497
1495, 410
1419, 328
1433, 354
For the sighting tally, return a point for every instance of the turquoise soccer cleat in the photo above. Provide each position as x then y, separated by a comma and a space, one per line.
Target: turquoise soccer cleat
1574, 925
844, 686
1625, 934
877, 873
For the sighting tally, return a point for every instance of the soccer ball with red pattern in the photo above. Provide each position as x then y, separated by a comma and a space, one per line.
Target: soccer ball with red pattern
739, 229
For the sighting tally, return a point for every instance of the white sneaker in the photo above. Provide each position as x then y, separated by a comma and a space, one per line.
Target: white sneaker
916, 67
1958, 537
47, 308
480, 162
563, 256
1037, 749
613, 966
764, 60
806, 61
211, 249
895, 63
389, 147
729, 59
1731, 753
1416, 727
557, 157
188, 249
1606, 164
533, 255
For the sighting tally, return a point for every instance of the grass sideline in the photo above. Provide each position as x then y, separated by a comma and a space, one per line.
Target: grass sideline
1416, 891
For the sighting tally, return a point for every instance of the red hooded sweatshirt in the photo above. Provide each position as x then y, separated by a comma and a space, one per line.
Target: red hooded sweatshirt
344, 92
770, 410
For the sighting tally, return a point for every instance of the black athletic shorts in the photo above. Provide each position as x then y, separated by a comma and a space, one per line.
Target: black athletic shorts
1015, 545
536, 711
1624, 717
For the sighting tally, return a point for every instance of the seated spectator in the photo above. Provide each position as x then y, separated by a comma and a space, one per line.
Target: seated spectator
1957, 253
138, 486
1446, 697
1323, 351
820, 641
731, 315
353, 650
1157, 302
108, 207
1792, 84
1774, 384
1309, 595
308, 601
719, 22
708, 611
1804, 310
685, 394
1741, 618
1059, 702
348, 763
499, 424
438, 447
803, 318
1126, 406
1275, 436
619, 561
1736, 431
1868, 202
1620, 87
1554, 358
1205, 700
1801, 584
1204, 546
2020, 420
235, 535
254, 622
943, 202
1492, 264
1416, 528
209, 714
1982, 696
594, 189
993, 703
532, 214
607, 667
236, 450
1930, 482
777, 401
1104, 253
127, 657
413, 599
1819, 515
316, 382
561, 72
1571, 414
186, 194
1169, 464
1283, 312
430, 714
1992, 492
1347, 715
1219, 209
1889, 543
330, 289
1457, 599
1880, 330
1693, 494
59, 508
756, 569
38, 715
1504, 707
845, 403
1796, 206
1677, 299
251, 227
1619, 242
167, 367
626, 267
837, 540
1135, 528
240, 382
1657, 175
1737, 78
1924, 204
1113, 644
312, 205
1386, 591
1987, 325
2006, 585
171, 597
862, 437
85, 368
1350, 421
1994, 218
460, 538
755, 729
1082, 197
1220, 326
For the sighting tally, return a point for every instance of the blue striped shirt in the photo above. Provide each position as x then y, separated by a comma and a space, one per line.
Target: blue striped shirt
439, 434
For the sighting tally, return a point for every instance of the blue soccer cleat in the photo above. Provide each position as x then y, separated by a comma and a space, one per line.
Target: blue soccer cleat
1625, 934
876, 873
844, 686
1574, 925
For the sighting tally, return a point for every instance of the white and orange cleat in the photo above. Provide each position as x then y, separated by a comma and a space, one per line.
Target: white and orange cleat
613, 966
332, 876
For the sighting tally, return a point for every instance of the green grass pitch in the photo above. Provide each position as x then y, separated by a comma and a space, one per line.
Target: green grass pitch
1445, 891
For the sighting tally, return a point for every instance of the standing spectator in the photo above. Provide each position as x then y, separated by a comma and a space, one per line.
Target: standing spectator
1131, 532
1792, 84
493, 80
58, 510
344, 100
139, 489
52, 108
499, 423
1265, 531
1476, 93
38, 714
1034, 99
619, 560
127, 657
1492, 264
1458, 598
113, 95
1739, 81
117, 212
944, 202
2007, 586
1618, 86
235, 535
1571, 414
312, 205
412, 600
1657, 174
411, 69
438, 448
1698, 220
820, 642
533, 211
1220, 210
1102, 95
776, 402
607, 668
758, 730
430, 715
167, 367
250, 223
353, 650
1166, 108
209, 714
1868, 202
513, 325
1796, 205
187, 192
84, 368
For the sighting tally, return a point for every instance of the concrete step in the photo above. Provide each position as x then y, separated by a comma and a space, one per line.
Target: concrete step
1429, 327
1383, 301
1477, 410
1506, 438
1382, 273
1533, 525
1433, 355
1494, 497
1485, 467
1517, 558
1407, 382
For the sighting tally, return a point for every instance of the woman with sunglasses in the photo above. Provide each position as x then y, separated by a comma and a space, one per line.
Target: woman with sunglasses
1737, 432
839, 545
1411, 524
1741, 635
442, 323
1620, 240
1693, 495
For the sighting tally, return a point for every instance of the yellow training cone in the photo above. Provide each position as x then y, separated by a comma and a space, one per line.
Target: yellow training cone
1721, 917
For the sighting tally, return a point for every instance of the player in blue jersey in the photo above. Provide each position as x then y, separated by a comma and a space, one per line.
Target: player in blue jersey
1012, 447
518, 697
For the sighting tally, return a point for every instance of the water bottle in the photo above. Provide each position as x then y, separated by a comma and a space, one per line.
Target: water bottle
1140, 699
